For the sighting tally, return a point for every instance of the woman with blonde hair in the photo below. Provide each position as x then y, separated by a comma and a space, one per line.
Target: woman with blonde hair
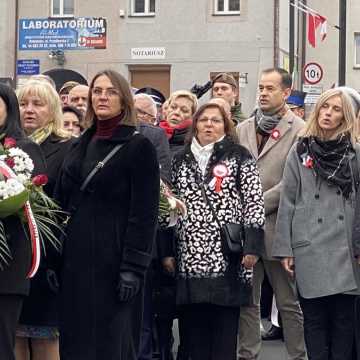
181, 108
14, 283
314, 225
42, 120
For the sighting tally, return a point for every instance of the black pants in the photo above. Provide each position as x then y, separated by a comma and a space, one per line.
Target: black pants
356, 347
10, 308
329, 326
266, 298
164, 303
211, 331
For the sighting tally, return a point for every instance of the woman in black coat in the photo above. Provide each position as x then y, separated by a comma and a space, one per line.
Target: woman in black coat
42, 120
111, 230
14, 285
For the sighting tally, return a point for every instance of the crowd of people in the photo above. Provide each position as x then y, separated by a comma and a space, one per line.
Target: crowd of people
270, 198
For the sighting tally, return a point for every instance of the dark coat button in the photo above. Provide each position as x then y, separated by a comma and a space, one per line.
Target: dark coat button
319, 220
317, 196
341, 217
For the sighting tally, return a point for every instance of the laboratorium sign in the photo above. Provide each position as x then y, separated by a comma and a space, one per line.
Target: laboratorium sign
64, 34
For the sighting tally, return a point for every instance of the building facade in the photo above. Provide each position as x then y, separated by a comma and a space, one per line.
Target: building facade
168, 44
7, 39
325, 53
173, 44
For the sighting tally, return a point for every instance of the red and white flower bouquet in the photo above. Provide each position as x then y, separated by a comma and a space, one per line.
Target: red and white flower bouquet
23, 196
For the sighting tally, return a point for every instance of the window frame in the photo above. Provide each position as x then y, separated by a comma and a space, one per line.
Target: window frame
147, 9
226, 10
356, 50
61, 14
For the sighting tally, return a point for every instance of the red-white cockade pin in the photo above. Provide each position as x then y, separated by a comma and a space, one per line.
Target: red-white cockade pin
220, 172
308, 162
275, 134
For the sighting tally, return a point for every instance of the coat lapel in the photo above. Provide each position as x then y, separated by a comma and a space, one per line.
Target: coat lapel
251, 137
283, 127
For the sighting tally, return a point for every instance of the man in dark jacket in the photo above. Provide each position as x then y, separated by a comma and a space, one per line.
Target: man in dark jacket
155, 134
146, 110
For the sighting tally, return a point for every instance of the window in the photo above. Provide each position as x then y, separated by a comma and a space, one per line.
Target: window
227, 7
62, 8
142, 7
357, 50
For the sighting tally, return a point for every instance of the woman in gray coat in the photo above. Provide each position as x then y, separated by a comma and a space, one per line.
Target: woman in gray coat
314, 225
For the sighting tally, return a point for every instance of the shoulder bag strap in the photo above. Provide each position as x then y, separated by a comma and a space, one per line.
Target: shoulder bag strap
102, 163
207, 200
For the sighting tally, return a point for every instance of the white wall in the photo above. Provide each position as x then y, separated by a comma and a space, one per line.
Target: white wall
7, 37
196, 42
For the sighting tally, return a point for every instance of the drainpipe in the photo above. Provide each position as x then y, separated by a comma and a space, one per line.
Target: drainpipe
16, 41
303, 44
342, 42
291, 38
276, 32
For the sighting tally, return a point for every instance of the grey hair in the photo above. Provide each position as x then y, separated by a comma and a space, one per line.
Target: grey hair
149, 99
354, 97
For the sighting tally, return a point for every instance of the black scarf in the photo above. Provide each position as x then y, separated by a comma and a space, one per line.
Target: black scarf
330, 160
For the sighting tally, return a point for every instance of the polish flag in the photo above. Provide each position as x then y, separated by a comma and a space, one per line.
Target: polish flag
314, 21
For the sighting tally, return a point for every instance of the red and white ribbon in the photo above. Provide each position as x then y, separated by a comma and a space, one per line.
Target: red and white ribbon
6, 171
220, 172
35, 240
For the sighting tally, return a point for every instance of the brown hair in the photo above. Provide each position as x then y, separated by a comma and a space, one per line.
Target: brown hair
126, 98
286, 79
229, 128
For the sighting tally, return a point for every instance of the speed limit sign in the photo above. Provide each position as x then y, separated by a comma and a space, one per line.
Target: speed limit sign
313, 73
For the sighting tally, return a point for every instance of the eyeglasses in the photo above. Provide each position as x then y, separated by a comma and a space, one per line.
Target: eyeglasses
109, 93
213, 121
142, 113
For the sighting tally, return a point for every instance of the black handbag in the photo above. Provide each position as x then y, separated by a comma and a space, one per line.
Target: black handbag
232, 235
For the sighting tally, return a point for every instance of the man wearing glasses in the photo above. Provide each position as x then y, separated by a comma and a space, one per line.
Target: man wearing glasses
145, 107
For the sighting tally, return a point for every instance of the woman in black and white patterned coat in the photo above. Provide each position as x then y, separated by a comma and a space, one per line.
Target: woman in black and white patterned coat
210, 285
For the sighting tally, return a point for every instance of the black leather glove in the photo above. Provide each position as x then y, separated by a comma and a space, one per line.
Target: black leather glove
52, 280
128, 287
